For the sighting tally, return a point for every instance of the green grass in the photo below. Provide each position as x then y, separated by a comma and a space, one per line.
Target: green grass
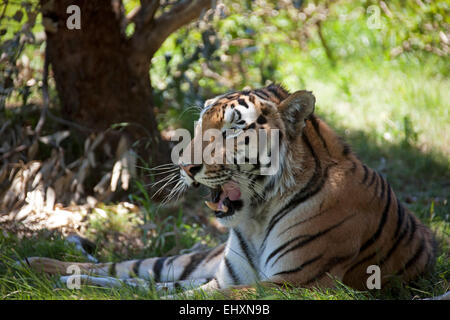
18, 282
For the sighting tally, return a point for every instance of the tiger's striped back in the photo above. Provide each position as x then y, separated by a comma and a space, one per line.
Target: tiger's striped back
391, 237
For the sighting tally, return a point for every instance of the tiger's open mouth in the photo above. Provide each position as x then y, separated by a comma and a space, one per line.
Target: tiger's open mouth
225, 200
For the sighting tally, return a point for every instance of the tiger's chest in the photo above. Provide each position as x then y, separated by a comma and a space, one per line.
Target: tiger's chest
256, 250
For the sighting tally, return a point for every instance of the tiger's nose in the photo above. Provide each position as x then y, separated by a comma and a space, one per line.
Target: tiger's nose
191, 169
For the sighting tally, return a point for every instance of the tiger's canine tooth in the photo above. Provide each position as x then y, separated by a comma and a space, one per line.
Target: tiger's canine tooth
211, 205
215, 206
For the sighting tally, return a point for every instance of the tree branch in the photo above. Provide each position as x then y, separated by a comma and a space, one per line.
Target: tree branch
152, 35
143, 15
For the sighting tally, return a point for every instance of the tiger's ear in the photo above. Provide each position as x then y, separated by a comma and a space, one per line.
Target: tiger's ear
208, 102
295, 109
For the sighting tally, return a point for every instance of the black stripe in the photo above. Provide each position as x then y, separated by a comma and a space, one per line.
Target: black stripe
416, 256
376, 183
261, 94
315, 123
196, 259
434, 249
233, 116
319, 275
239, 114
244, 247
136, 266
413, 229
346, 149
365, 174
369, 257
374, 175
383, 186
296, 200
306, 192
250, 126
394, 246
302, 221
215, 253
301, 267
332, 262
261, 119
303, 242
283, 246
218, 284
171, 259
112, 269
275, 92
408, 223
265, 110
383, 219
157, 267
177, 285
231, 95
400, 215
243, 103
231, 271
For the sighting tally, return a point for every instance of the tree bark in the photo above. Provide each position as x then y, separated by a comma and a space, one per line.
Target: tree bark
102, 77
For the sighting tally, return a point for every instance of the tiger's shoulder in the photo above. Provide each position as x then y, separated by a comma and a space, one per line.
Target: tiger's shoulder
389, 235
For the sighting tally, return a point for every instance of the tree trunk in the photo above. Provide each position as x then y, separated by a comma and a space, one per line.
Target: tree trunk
102, 76
99, 78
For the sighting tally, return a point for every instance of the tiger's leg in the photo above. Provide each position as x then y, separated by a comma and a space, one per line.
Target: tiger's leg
110, 282
227, 282
230, 292
323, 280
191, 266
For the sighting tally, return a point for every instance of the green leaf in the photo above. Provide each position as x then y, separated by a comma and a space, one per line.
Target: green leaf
18, 15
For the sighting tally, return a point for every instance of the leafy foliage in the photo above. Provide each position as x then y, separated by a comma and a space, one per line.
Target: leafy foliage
18, 73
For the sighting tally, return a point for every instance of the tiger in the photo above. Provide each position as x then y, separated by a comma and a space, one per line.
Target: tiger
323, 216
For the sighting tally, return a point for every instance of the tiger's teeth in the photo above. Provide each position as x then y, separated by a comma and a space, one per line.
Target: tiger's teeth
215, 206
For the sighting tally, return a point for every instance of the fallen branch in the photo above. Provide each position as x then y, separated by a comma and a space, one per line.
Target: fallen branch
17, 149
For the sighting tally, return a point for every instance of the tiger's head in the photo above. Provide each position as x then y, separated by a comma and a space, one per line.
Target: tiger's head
259, 126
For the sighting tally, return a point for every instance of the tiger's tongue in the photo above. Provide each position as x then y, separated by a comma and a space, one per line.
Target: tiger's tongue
230, 190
